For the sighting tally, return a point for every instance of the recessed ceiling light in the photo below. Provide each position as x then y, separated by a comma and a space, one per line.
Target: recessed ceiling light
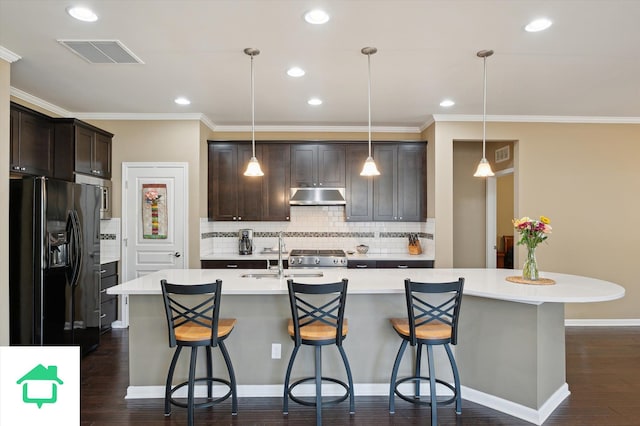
447, 103
314, 101
295, 72
82, 14
182, 101
316, 17
538, 25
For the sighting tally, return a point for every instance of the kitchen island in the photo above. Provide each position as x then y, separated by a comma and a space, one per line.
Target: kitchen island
510, 352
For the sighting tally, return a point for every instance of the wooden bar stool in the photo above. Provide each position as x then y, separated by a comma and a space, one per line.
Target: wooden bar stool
317, 312
197, 325
429, 324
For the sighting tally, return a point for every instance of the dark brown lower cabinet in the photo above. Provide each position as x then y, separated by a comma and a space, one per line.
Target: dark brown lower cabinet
108, 302
380, 264
234, 264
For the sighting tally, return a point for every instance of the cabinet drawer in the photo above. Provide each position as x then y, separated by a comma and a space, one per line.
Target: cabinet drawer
402, 264
274, 263
234, 264
361, 264
107, 269
108, 313
106, 282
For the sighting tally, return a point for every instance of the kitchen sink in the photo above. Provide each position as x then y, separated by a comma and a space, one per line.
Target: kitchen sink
286, 275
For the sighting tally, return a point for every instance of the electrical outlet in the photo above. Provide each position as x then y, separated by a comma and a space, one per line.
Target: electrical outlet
276, 350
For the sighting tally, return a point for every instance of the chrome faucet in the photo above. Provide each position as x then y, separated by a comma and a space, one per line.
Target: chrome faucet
280, 247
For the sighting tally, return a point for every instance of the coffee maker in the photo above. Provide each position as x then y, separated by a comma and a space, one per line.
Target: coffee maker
245, 241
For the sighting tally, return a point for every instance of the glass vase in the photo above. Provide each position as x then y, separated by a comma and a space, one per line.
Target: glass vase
530, 268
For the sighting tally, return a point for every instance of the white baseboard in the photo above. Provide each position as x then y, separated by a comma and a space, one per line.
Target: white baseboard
601, 322
118, 324
518, 410
370, 389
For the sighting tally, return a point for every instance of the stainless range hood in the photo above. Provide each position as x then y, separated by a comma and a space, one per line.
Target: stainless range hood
317, 197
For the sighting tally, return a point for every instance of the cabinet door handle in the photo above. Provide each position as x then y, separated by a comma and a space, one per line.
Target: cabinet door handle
362, 266
104, 290
402, 266
102, 271
16, 167
103, 316
22, 169
230, 265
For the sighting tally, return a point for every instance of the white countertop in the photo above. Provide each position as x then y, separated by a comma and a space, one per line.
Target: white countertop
488, 283
108, 258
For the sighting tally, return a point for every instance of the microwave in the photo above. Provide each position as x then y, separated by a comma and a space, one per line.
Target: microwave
105, 193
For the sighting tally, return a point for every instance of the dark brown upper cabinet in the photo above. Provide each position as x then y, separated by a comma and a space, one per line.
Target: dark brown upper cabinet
399, 193
233, 196
276, 183
32, 144
88, 146
359, 189
318, 165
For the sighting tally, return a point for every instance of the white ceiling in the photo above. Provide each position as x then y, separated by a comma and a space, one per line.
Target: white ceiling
586, 65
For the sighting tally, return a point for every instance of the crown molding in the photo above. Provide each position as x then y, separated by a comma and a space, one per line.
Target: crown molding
137, 116
8, 55
34, 100
300, 129
429, 122
537, 119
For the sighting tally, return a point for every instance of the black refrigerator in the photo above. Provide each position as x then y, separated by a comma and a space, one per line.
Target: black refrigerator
54, 263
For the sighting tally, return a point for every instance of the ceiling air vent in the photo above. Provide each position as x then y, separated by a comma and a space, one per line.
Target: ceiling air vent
101, 51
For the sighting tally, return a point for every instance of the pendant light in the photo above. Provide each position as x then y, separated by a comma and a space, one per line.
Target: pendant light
369, 168
484, 168
253, 168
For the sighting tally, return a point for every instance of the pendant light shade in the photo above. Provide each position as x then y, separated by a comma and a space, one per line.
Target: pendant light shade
484, 168
253, 168
370, 168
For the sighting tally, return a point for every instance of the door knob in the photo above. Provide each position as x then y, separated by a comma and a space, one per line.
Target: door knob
176, 254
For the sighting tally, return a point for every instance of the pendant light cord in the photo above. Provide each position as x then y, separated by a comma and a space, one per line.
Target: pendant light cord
484, 108
253, 114
369, 66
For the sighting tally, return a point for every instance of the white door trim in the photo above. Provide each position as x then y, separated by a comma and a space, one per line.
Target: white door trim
492, 217
126, 166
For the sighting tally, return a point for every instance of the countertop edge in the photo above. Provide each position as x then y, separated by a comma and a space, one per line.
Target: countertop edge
486, 283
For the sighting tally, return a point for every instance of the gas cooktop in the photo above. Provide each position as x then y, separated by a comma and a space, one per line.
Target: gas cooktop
309, 258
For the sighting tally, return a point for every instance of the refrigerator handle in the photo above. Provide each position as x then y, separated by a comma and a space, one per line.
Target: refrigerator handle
80, 250
71, 268
75, 249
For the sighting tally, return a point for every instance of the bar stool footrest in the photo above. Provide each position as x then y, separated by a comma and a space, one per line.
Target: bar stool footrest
209, 403
417, 400
336, 400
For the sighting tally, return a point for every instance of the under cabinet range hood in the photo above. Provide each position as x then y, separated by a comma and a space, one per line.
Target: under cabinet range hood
317, 197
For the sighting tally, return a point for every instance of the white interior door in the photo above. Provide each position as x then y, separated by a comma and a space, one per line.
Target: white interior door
154, 220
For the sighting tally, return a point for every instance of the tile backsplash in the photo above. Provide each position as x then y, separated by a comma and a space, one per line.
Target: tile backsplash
110, 240
317, 227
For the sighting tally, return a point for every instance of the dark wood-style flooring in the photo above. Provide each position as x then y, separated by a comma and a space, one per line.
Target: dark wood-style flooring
603, 372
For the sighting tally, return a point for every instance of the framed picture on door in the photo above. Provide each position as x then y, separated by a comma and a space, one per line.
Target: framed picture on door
154, 211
